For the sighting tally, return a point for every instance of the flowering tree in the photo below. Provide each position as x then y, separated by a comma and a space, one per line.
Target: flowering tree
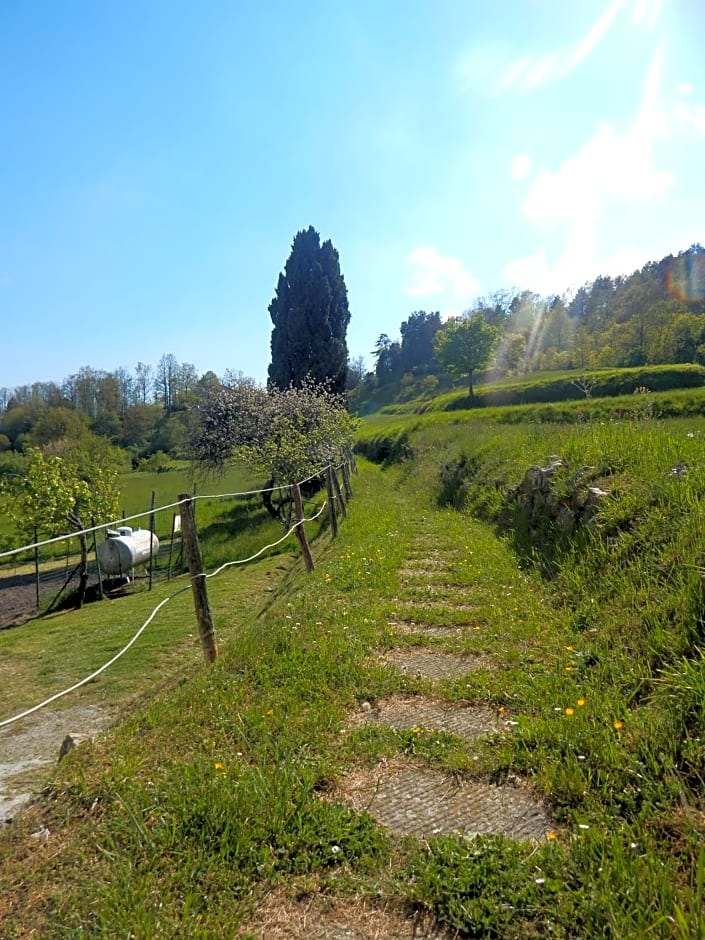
288, 435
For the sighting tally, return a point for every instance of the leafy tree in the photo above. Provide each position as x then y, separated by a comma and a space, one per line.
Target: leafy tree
143, 382
310, 315
165, 381
388, 354
139, 424
466, 344
57, 424
418, 334
357, 370
287, 434
72, 487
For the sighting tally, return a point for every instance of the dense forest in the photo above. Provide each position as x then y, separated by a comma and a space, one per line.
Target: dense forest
650, 317
653, 316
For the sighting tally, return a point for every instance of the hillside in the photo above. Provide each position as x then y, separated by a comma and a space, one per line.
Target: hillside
444, 673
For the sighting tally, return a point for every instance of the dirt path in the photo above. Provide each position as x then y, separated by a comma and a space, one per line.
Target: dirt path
29, 748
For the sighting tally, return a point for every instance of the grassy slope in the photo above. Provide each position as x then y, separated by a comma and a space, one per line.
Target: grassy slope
199, 803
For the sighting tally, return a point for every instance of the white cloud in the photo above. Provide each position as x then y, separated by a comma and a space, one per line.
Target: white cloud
434, 274
611, 171
521, 166
691, 116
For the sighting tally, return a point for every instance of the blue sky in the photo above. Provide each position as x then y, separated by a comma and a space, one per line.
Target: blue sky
157, 159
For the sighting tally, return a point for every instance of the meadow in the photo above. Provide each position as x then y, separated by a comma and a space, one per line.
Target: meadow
219, 790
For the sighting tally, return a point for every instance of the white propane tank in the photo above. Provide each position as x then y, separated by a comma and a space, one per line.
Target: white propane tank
123, 550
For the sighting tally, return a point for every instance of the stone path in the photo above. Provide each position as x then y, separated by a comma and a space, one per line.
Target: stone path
412, 799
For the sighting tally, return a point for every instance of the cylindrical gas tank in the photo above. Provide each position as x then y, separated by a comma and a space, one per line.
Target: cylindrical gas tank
123, 550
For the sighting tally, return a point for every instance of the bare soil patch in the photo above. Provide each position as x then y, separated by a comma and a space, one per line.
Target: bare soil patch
29, 748
281, 916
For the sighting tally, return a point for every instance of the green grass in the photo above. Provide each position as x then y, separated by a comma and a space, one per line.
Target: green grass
208, 796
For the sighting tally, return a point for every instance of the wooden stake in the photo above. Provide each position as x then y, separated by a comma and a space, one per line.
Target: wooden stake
151, 540
300, 531
346, 481
331, 502
194, 559
36, 565
338, 494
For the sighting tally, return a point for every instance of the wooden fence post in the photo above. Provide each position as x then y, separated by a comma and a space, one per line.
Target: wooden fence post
346, 481
338, 494
300, 532
151, 539
194, 559
36, 566
331, 502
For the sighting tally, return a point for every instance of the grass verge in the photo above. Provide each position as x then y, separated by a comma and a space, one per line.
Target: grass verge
209, 796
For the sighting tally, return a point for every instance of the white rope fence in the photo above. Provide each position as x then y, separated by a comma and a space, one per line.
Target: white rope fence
150, 618
148, 512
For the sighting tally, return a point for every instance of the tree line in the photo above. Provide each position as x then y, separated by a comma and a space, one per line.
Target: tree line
651, 317
143, 410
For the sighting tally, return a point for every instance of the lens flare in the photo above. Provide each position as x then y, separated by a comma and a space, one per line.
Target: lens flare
685, 278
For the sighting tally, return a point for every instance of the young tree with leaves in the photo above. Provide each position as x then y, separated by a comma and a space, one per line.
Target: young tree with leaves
310, 315
67, 489
465, 344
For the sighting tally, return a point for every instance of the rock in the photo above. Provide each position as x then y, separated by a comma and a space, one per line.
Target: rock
72, 740
41, 835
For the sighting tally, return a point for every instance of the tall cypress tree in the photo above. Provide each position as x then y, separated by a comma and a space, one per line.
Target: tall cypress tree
310, 316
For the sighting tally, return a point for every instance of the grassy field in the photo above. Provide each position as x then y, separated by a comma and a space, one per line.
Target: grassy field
217, 792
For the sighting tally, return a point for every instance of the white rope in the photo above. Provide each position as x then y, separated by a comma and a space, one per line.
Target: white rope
149, 512
77, 685
93, 675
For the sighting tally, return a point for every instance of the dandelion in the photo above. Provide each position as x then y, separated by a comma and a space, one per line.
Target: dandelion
570, 711
570, 648
568, 668
551, 836
218, 765
581, 702
416, 730
618, 725
270, 711
500, 709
